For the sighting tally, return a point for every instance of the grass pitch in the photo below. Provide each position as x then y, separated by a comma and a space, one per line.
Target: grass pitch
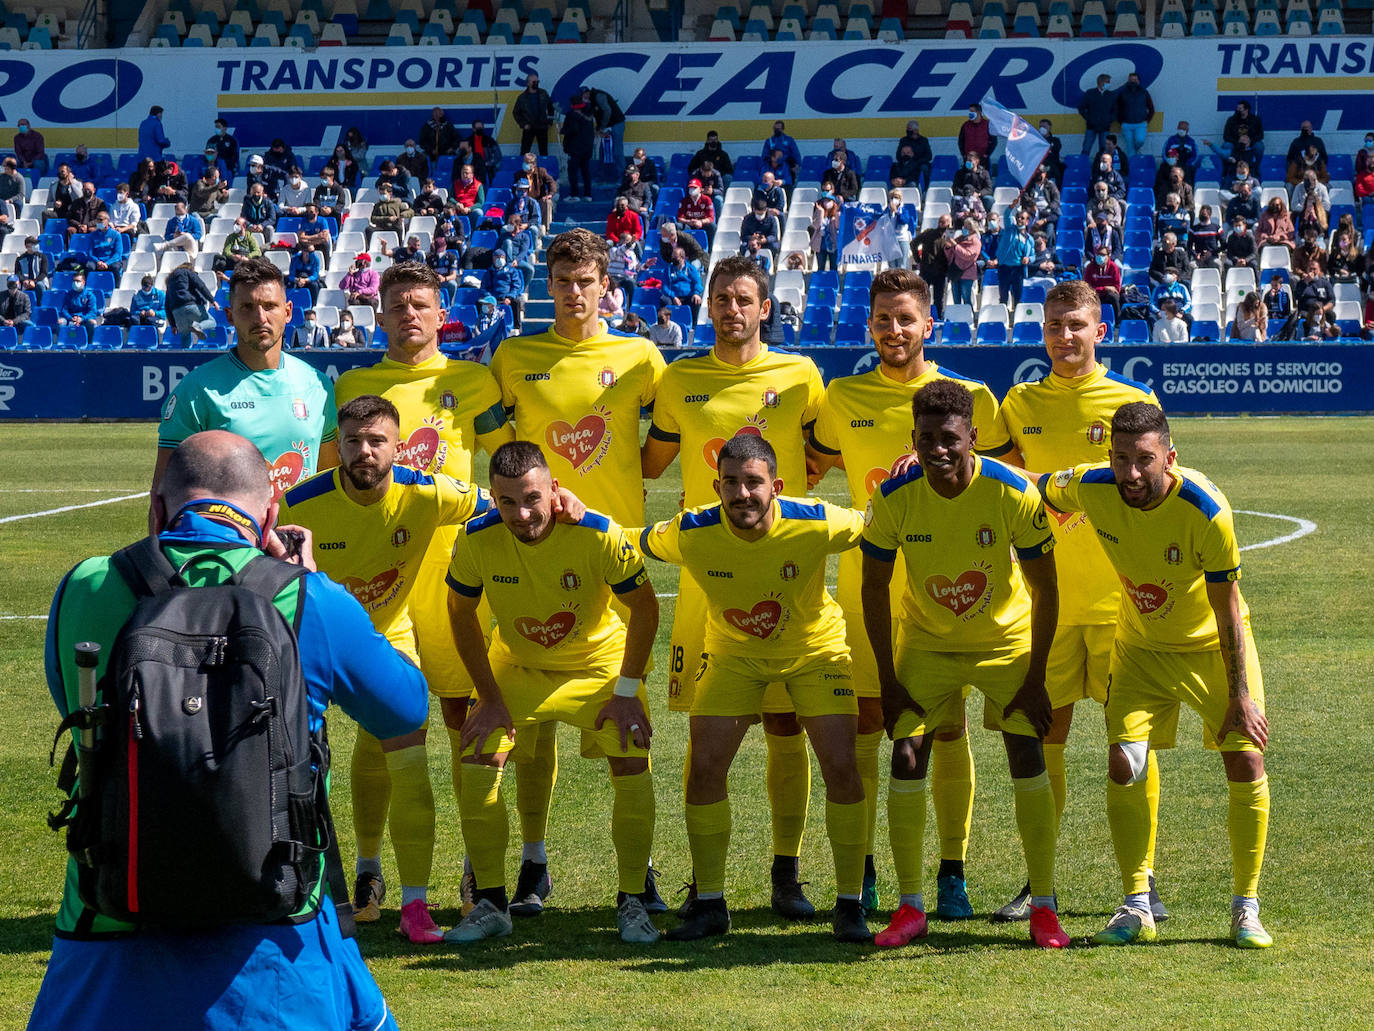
1312, 613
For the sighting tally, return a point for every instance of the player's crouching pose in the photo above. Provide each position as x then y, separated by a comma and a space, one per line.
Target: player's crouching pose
760, 560
559, 653
1183, 636
968, 619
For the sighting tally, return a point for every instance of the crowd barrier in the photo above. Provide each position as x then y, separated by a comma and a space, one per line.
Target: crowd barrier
1215, 379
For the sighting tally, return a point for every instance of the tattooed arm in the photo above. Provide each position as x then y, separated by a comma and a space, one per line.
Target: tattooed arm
1242, 715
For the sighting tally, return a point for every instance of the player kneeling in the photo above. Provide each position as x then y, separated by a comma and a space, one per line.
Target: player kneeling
554, 656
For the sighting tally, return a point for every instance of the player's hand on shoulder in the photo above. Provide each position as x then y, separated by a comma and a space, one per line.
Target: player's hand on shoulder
903, 464
567, 506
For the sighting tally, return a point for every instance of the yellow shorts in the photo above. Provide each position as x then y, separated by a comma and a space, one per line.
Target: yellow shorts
444, 671
536, 696
939, 681
686, 652
1145, 687
816, 685
1078, 662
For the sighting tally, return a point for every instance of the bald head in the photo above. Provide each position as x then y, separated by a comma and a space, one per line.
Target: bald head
216, 464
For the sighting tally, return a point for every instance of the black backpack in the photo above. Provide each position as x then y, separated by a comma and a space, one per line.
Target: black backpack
204, 802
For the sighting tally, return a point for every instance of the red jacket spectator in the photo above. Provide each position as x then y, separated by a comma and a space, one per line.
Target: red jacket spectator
623, 220
697, 211
1103, 277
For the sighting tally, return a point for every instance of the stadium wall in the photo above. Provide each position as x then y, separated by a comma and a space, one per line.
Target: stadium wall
673, 92
1218, 379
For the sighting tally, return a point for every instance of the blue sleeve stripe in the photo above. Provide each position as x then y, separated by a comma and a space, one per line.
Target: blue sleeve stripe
893, 482
1198, 498
873, 551
595, 521
482, 522
1116, 377
629, 583
661, 434
644, 547
1222, 575
951, 374
466, 590
408, 476
1099, 476
1035, 551
995, 470
811, 511
320, 483
698, 520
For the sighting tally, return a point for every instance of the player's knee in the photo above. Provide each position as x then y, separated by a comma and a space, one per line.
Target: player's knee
1243, 767
1025, 756
1127, 762
628, 767
870, 715
454, 710
951, 733
910, 758
781, 724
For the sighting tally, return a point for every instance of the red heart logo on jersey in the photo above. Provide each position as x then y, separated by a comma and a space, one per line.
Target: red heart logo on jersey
285, 471
576, 443
419, 448
760, 621
1147, 597
957, 595
546, 633
372, 590
711, 450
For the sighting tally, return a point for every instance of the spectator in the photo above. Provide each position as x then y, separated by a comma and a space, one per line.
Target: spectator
225, 146
665, 332
12, 183
611, 307
975, 135
361, 282
773, 194
1134, 109
1044, 269
1315, 290
623, 220
196, 166
508, 287
695, 211
1101, 233
149, 304
785, 144
1312, 215
396, 178
579, 142
428, 201
1104, 171
1098, 108
1170, 327
1169, 258
760, 221
1309, 257
1040, 200
29, 149
1309, 185
648, 173
963, 249
840, 146
543, 188
83, 166
306, 271
756, 250
1364, 176
1173, 218
206, 195
905, 170
1120, 160
346, 334
64, 193
1345, 263
522, 204
968, 205
81, 306
259, 214
309, 333
467, 193
82, 215
278, 161
1241, 250
343, 168
143, 181
518, 245
1170, 287
1243, 123
534, 114
622, 261
437, 137
1317, 324
1275, 226
32, 267
446, 262
1252, 319
1185, 148
183, 233
314, 231
107, 247
992, 236
635, 192
632, 324
905, 225
1053, 159
169, 184
484, 150
1277, 300
16, 308
928, 255
843, 180
294, 195
1304, 139
389, 214
1204, 239
1015, 251
609, 120
1171, 179
669, 240
973, 174
330, 198
1103, 274
1243, 205
825, 232
1243, 149
356, 144
239, 245
776, 163
683, 283
713, 152
1309, 161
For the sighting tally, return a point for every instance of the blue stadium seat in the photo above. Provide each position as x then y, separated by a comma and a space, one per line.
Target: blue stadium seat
1133, 331
9, 338
818, 314
1025, 332
36, 338
994, 332
814, 335
851, 334
107, 338
72, 338
1205, 330
956, 333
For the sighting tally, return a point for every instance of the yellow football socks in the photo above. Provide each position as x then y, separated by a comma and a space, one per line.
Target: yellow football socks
906, 829
1247, 824
486, 829
1059, 779
411, 817
1128, 816
846, 825
708, 835
788, 777
632, 828
1152, 797
866, 753
951, 791
1037, 822
370, 786
534, 781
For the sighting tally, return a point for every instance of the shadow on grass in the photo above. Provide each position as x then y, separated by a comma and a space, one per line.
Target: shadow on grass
21, 934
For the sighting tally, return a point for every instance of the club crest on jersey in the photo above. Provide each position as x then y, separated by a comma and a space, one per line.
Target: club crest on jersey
569, 581
1097, 433
169, 407
299, 409
448, 400
400, 538
770, 398
985, 536
606, 378
1173, 555
1063, 477
788, 570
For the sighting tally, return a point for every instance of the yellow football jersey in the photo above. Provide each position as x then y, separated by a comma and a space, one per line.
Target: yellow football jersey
867, 419
964, 591
1058, 423
580, 402
1164, 557
375, 550
449, 408
552, 599
764, 597
703, 402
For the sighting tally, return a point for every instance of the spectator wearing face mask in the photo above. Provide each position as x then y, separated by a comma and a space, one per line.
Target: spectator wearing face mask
712, 185
16, 309
1103, 274
1168, 259
225, 146
1098, 109
648, 175
1187, 155
1239, 249
152, 140
1309, 162
522, 204
1101, 201
467, 192
1171, 327
962, 249
437, 136
543, 187
1305, 138
973, 174
696, 211
306, 271
825, 232
294, 195
310, 333
149, 305
1171, 288
623, 220
485, 151
786, 145
508, 287
413, 161
622, 261
347, 334
429, 201
1275, 227
360, 284
579, 143
758, 220
715, 153
517, 246
125, 215
841, 179
975, 135
29, 149
1101, 233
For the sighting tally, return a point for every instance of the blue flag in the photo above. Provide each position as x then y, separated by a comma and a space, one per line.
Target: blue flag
1025, 147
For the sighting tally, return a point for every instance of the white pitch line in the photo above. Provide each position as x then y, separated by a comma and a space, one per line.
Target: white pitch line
1304, 527
60, 490
71, 508
23, 617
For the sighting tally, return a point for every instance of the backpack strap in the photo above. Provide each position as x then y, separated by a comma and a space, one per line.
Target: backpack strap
267, 577
145, 568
